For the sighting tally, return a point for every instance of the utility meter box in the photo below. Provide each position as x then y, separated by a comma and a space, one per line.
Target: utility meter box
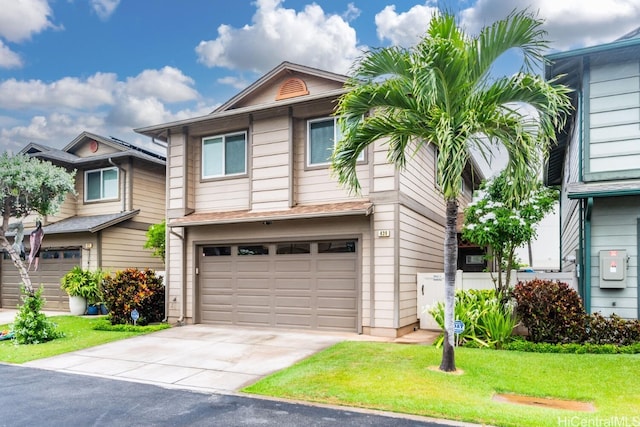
613, 269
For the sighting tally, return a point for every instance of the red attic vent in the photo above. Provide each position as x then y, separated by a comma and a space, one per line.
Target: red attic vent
291, 88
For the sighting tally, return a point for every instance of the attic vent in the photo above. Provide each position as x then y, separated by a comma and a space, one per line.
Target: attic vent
292, 88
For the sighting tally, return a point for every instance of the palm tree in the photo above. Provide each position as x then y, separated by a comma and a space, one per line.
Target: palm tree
441, 92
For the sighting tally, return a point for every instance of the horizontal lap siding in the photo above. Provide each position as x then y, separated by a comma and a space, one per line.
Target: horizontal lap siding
613, 225
421, 250
417, 180
149, 188
614, 119
270, 164
123, 248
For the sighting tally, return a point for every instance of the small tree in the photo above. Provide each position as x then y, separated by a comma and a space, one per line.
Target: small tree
156, 239
29, 185
496, 222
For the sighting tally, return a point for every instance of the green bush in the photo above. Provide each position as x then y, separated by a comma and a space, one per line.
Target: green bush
612, 330
105, 325
134, 289
31, 326
532, 347
551, 311
83, 283
488, 321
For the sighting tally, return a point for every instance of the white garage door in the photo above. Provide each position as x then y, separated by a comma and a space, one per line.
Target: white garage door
307, 285
54, 263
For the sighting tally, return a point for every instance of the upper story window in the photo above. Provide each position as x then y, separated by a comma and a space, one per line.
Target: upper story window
224, 155
322, 137
101, 184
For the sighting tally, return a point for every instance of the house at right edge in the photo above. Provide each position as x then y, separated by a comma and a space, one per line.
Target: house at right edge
596, 163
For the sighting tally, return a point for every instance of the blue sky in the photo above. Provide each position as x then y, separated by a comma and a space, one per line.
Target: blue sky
108, 66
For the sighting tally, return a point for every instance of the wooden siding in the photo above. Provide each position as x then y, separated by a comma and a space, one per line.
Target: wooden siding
270, 164
384, 270
123, 248
177, 174
148, 192
570, 208
421, 247
614, 121
613, 225
417, 180
67, 209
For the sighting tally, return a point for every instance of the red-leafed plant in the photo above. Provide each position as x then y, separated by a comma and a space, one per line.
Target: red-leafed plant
133, 289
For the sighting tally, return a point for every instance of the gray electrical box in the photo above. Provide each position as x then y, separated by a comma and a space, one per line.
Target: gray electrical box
613, 269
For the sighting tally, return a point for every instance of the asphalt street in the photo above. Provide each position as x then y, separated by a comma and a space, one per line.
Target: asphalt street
30, 396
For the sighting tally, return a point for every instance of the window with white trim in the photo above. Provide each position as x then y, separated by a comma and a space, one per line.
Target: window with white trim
322, 136
101, 184
224, 155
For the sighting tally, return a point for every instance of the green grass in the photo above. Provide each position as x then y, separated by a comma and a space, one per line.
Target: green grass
397, 378
79, 334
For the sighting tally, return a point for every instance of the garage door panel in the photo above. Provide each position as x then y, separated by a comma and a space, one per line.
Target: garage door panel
336, 264
219, 285
309, 291
289, 265
216, 267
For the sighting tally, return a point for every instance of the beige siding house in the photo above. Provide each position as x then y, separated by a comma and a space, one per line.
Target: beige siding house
261, 234
120, 193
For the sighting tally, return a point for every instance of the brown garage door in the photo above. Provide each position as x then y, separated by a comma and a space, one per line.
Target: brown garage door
54, 263
309, 285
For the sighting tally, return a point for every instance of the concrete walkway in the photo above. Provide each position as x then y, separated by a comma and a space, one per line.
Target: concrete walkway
202, 357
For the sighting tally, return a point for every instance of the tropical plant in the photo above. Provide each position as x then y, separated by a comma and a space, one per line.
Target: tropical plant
493, 221
441, 92
135, 289
156, 239
31, 326
79, 282
27, 185
488, 321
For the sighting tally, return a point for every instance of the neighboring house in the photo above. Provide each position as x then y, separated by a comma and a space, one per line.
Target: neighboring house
597, 165
261, 234
120, 193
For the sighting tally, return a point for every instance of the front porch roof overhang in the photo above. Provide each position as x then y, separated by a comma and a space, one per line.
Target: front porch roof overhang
363, 208
585, 190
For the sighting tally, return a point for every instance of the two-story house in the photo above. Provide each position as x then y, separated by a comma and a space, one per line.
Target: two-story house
260, 232
120, 193
597, 165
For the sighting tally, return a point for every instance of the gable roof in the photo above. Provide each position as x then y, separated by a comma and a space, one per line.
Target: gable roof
65, 156
232, 107
91, 224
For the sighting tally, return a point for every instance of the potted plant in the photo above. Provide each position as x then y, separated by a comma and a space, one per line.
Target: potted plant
82, 286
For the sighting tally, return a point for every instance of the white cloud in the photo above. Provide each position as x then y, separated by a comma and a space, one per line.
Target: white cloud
309, 37
19, 20
8, 58
405, 28
167, 84
69, 92
569, 23
104, 8
234, 81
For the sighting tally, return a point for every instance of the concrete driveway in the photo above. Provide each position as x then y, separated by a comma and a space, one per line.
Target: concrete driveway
219, 359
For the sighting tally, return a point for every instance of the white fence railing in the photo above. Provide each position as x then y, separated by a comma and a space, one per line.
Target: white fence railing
431, 288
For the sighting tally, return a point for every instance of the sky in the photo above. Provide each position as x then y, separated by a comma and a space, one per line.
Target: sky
110, 66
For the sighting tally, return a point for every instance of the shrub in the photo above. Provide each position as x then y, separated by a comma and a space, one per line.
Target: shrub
488, 321
134, 289
528, 346
83, 283
551, 311
31, 326
612, 330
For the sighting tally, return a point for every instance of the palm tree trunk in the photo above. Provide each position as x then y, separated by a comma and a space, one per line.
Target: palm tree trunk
450, 263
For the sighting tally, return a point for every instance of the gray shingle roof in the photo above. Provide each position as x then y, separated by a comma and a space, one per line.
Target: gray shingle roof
91, 224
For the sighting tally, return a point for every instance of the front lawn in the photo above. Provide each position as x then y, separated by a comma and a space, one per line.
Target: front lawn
79, 334
397, 378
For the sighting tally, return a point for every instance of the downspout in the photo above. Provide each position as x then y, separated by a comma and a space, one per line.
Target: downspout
587, 255
124, 184
183, 281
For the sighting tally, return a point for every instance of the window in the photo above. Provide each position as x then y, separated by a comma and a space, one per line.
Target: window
224, 155
101, 184
336, 246
322, 137
216, 251
253, 250
293, 248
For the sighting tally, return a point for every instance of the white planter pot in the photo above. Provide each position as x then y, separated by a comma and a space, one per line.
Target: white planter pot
77, 305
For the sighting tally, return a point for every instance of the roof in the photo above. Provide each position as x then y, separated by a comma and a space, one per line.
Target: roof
91, 224
65, 156
364, 208
226, 110
583, 190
